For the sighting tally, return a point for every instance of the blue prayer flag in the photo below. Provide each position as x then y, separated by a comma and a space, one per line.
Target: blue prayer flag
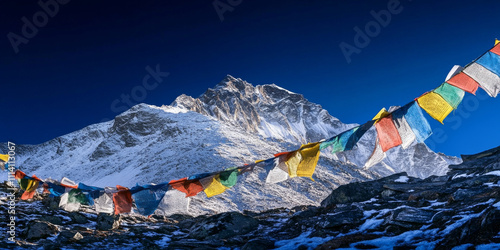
491, 61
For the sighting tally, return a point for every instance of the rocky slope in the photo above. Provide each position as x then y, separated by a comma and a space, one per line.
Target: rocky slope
460, 209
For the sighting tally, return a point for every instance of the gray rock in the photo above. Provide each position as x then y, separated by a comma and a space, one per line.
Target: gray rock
412, 215
40, 229
78, 218
358, 191
351, 216
258, 244
107, 222
223, 226
52, 219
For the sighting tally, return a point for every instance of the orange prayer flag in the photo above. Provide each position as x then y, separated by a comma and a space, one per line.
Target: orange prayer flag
387, 133
189, 187
122, 200
28, 195
496, 49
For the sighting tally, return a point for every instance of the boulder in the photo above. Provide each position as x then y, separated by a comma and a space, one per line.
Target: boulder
107, 222
40, 229
258, 244
223, 226
350, 215
78, 218
412, 215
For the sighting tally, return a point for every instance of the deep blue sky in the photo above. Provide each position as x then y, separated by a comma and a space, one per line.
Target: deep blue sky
92, 52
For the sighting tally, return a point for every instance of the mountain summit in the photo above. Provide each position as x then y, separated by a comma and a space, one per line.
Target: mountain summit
268, 110
232, 124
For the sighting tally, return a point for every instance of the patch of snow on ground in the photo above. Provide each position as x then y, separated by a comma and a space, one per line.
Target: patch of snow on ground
497, 205
402, 179
463, 247
371, 224
301, 240
488, 246
497, 173
462, 176
390, 242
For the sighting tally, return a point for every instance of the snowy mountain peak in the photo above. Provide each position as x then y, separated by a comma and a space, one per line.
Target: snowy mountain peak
268, 110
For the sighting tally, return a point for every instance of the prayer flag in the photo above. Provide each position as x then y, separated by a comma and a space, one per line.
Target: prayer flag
357, 134
496, 49
417, 121
488, 80
4, 158
189, 187
173, 202
66, 205
292, 161
464, 82
277, 170
451, 94
122, 200
28, 195
381, 114
377, 156
229, 177
212, 186
309, 159
404, 129
65, 182
147, 200
435, 106
104, 204
341, 142
71, 201
490, 61
29, 186
387, 133
55, 189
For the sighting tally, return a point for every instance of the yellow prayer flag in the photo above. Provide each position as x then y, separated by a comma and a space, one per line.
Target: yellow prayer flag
212, 186
381, 114
497, 41
293, 163
310, 156
4, 158
32, 185
435, 106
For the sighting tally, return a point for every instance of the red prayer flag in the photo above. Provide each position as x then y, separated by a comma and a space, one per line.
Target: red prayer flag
189, 187
45, 188
28, 195
19, 174
464, 82
280, 154
387, 133
496, 49
122, 200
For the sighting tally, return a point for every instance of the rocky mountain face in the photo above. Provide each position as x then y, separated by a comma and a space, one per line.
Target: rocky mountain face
230, 125
460, 209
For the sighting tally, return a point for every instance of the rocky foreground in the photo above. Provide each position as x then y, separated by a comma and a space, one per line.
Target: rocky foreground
460, 209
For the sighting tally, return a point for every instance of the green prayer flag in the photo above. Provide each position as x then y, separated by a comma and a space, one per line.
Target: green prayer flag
229, 177
77, 196
451, 94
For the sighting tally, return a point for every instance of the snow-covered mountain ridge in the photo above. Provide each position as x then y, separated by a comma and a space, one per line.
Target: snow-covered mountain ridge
230, 125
